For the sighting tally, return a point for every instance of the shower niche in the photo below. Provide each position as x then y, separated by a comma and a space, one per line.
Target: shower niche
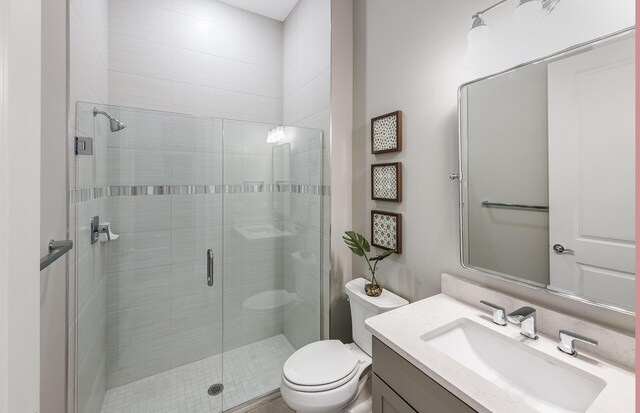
214, 278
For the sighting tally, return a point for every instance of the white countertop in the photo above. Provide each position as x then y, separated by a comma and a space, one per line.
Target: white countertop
401, 330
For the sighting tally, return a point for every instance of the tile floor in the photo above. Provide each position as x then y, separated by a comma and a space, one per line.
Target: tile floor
249, 372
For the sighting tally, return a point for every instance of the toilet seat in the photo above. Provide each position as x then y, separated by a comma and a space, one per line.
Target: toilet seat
329, 397
320, 366
321, 387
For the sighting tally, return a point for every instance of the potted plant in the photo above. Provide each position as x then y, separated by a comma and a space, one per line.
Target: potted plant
360, 246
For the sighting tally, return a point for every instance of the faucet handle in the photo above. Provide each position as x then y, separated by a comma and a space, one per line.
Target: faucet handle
499, 314
105, 228
567, 338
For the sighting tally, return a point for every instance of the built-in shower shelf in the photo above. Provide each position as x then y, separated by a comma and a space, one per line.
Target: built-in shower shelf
269, 300
262, 231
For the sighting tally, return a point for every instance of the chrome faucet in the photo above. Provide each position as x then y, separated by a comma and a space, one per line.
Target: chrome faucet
526, 317
499, 314
565, 342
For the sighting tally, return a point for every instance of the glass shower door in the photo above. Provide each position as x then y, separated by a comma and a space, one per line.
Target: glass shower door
212, 277
272, 239
197, 228
148, 319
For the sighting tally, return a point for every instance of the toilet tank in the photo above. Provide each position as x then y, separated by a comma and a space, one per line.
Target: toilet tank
363, 307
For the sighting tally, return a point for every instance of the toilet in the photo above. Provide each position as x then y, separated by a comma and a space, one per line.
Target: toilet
327, 376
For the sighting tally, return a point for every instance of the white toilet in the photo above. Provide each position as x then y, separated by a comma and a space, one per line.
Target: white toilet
327, 376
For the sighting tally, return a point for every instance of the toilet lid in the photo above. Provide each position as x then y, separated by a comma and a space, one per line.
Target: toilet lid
320, 363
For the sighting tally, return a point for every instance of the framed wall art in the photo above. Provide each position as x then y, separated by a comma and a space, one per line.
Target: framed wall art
386, 182
386, 230
386, 133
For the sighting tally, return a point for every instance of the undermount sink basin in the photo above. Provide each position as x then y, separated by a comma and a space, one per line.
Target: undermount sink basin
539, 380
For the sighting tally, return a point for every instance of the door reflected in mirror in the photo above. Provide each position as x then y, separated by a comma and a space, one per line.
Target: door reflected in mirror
548, 167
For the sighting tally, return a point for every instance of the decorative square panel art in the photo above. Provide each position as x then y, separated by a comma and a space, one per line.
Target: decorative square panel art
386, 133
386, 182
386, 230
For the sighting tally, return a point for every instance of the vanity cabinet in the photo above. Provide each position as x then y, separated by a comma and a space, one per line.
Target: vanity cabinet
385, 400
400, 387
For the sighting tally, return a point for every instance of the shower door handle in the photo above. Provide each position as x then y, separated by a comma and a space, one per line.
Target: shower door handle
210, 267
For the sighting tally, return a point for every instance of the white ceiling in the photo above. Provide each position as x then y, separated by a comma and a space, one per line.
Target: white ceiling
275, 9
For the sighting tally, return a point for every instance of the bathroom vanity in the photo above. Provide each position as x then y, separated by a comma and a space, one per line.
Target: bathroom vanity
444, 355
398, 386
542, 147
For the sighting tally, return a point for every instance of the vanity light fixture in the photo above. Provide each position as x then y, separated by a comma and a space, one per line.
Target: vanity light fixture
525, 8
526, 14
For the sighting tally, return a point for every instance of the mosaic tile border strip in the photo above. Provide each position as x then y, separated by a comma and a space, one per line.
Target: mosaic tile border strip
87, 194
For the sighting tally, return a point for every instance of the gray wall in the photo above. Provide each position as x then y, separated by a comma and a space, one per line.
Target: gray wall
409, 56
342, 34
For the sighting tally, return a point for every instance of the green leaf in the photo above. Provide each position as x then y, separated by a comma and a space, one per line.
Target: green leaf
382, 256
356, 243
365, 243
353, 245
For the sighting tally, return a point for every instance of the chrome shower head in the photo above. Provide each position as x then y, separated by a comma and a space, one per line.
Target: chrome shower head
114, 124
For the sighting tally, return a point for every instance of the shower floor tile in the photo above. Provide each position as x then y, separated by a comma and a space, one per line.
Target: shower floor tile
249, 372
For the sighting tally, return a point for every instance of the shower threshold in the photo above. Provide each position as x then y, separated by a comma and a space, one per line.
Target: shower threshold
250, 371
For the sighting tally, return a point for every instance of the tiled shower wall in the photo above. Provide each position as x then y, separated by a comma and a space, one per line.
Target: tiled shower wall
206, 59
199, 57
88, 21
307, 83
152, 311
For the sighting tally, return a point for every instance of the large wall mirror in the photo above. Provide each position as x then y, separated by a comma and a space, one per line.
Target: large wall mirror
547, 160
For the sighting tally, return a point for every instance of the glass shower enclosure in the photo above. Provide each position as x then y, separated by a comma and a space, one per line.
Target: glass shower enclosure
198, 257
